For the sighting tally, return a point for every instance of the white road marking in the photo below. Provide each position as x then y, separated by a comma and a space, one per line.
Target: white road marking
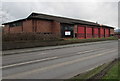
90, 51
53, 66
18, 64
42, 53
85, 51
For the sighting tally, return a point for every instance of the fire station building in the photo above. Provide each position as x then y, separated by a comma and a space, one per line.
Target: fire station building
61, 26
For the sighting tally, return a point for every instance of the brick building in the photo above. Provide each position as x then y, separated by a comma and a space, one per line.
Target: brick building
63, 27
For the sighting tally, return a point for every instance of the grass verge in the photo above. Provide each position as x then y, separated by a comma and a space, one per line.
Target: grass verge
87, 75
114, 72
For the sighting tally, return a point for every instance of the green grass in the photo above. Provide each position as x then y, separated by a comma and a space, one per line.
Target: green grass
75, 40
114, 72
88, 74
108, 38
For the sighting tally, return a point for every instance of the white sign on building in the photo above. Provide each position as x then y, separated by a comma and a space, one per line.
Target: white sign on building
67, 33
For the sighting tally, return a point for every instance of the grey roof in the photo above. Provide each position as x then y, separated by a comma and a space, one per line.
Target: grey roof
59, 19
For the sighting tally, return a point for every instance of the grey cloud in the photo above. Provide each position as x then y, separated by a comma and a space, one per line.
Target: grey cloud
102, 12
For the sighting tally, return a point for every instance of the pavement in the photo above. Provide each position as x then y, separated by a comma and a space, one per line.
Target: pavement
27, 50
62, 63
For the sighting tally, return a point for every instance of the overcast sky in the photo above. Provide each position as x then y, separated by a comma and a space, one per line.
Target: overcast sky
101, 12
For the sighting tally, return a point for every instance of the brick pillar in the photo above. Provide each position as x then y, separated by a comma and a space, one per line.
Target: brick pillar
109, 32
85, 31
99, 33
56, 29
22, 27
104, 33
34, 25
93, 32
75, 31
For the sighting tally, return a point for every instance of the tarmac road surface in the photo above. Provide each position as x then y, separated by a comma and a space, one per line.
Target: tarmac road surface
61, 63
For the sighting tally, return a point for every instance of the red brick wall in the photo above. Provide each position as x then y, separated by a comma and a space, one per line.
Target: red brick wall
75, 31
75, 28
17, 29
112, 31
36, 26
47, 26
106, 32
44, 26
56, 29
27, 26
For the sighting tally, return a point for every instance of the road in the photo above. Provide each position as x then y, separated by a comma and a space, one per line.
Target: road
61, 63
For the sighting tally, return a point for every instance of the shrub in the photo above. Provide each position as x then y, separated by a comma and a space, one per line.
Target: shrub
29, 36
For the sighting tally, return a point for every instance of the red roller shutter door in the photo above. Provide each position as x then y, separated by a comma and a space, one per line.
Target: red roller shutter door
88, 32
101, 32
81, 32
96, 33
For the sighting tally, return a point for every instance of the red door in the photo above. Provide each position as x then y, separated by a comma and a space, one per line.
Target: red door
88, 32
102, 32
96, 33
81, 32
